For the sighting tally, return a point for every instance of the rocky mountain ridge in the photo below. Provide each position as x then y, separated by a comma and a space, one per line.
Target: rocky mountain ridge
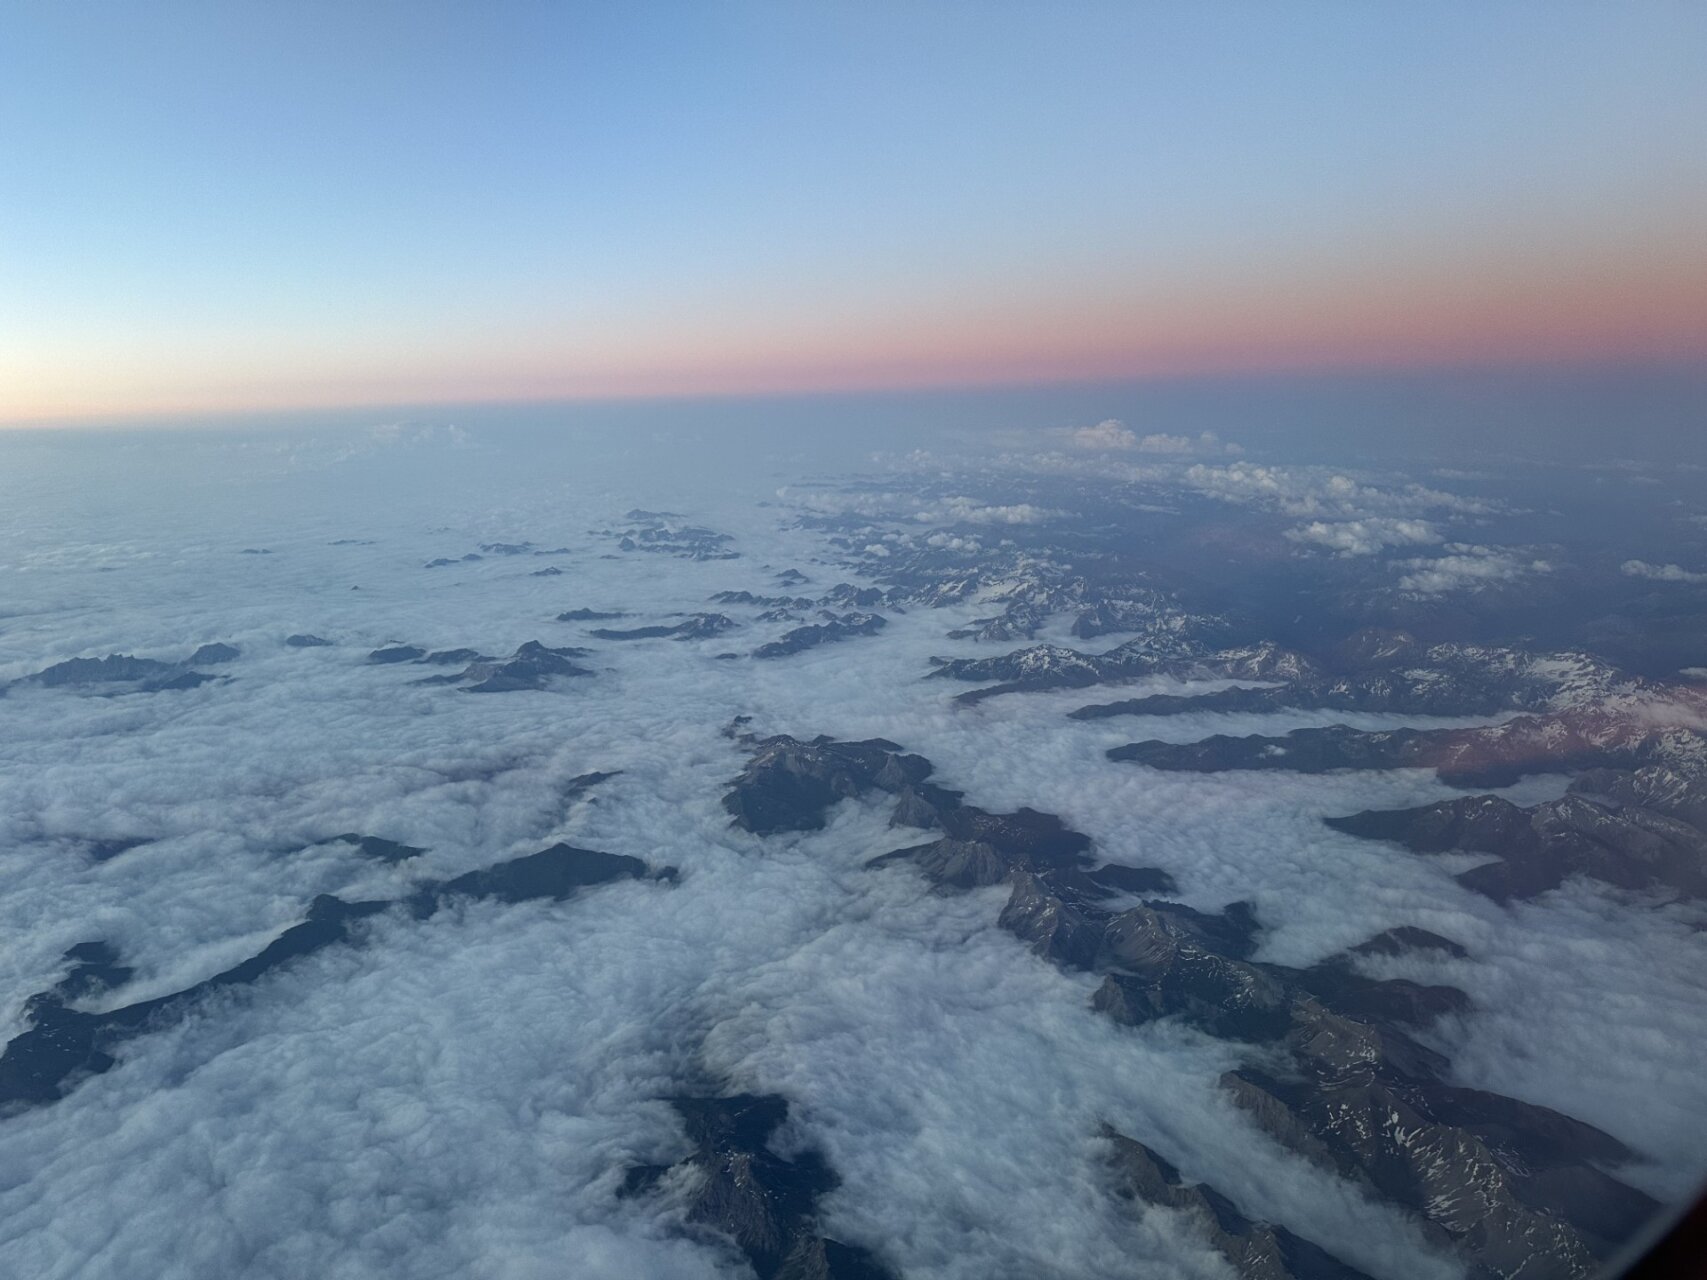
1337, 1074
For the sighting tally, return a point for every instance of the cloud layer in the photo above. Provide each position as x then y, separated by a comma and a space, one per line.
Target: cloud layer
459, 1096
1660, 572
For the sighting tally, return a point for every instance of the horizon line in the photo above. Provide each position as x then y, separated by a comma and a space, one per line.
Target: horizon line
197, 415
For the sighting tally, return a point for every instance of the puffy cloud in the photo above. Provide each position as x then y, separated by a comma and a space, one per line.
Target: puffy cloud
1112, 434
1660, 572
891, 505
971, 511
1365, 537
1467, 567
950, 542
417, 434
1326, 493
1205, 443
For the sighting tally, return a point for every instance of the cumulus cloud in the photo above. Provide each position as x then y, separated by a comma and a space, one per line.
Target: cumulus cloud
1660, 572
1365, 537
971, 511
1206, 442
951, 542
1113, 435
1110, 433
1468, 567
417, 433
1326, 493
891, 505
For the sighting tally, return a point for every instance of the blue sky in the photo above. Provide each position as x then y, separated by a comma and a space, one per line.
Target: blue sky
220, 205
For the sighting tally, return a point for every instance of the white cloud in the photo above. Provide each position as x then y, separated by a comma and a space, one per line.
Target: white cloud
1365, 537
1203, 444
956, 509
1326, 493
1467, 567
459, 1095
971, 511
1110, 433
1660, 572
950, 542
1113, 435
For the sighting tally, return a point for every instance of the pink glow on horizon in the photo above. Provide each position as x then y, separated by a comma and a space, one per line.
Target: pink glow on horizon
1647, 306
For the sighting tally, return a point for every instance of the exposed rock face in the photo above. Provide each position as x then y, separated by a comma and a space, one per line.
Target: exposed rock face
849, 596
763, 602
1044, 667
95, 969
64, 1044
1255, 1250
117, 673
396, 653
1372, 670
588, 615
1676, 793
697, 627
1029, 589
789, 785
304, 641
1238, 698
1393, 942
1516, 1189
1494, 756
105, 850
1106, 617
532, 666
1511, 1186
1442, 680
663, 533
827, 632
582, 783
1636, 829
379, 850
555, 873
765, 1203
209, 654
454, 657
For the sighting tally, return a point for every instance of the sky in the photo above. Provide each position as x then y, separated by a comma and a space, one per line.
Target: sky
238, 207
